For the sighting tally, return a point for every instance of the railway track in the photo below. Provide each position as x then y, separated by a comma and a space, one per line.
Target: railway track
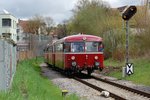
133, 92
145, 94
116, 97
128, 93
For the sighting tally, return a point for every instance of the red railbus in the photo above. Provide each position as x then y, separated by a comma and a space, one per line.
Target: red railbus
76, 53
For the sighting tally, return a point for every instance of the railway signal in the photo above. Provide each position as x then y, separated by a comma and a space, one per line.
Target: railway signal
129, 12
126, 15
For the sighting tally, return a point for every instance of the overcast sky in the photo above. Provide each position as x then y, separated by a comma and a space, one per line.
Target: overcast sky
59, 10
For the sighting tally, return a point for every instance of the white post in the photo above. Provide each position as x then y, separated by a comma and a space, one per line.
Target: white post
123, 72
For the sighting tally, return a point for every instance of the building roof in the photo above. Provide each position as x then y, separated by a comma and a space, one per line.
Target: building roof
4, 12
23, 25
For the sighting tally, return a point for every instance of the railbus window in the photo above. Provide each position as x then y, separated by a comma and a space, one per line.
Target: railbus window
92, 46
67, 47
50, 49
101, 47
59, 47
77, 47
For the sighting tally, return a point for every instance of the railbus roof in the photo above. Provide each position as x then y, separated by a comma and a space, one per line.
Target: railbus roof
80, 38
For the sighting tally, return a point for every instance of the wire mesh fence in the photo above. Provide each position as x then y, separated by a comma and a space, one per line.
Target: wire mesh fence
33, 46
38, 44
7, 63
10, 54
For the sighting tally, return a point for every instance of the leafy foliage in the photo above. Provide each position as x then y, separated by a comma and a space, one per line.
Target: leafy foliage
61, 30
34, 24
39, 25
141, 38
93, 17
114, 42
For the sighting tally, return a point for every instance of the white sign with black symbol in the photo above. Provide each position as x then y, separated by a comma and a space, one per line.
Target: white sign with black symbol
129, 68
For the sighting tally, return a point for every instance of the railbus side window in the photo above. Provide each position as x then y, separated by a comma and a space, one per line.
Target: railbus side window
67, 47
101, 47
50, 49
59, 47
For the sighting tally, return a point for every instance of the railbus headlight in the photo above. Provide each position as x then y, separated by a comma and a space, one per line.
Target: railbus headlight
73, 57
96, 57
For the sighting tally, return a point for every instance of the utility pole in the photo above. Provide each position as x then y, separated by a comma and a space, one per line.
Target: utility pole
146, 10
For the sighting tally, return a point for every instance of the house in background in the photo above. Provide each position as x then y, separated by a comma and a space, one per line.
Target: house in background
8, 26
22, 36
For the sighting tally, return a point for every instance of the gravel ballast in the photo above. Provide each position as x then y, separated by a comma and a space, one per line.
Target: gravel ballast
73, 86
83, 91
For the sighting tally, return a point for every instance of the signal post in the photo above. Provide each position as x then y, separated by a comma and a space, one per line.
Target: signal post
126, 15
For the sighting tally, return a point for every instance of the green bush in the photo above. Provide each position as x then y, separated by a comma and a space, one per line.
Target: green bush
114, 42
93, 17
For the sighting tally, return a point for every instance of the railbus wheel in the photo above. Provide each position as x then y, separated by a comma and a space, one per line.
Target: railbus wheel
89, 71
100, 69
68, 73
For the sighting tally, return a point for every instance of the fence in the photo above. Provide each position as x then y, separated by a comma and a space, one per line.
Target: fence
7, 63
33, 46
39, 43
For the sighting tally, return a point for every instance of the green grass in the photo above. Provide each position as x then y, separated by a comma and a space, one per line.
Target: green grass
111, 62
28, 84
141, 71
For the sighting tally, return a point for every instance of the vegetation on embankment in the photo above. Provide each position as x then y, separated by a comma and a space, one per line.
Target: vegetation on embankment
28, 84
141, 70
93, 17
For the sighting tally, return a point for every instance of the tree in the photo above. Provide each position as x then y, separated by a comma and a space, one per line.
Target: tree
34, 24
93, 17
142, 20
61, 30
49, 24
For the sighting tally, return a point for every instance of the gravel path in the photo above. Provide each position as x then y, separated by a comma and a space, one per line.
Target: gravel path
73, 86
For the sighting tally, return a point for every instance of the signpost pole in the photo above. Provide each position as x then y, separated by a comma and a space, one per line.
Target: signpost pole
127, 42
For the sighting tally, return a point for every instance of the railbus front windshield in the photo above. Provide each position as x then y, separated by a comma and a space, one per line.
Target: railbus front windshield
91, 46
83, 47
77, 47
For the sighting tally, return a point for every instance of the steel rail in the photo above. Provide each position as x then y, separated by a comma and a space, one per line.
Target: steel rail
116, 97
112, 83
124, 87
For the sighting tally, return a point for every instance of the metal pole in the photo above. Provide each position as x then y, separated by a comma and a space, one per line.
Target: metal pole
127, 50
127, 42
